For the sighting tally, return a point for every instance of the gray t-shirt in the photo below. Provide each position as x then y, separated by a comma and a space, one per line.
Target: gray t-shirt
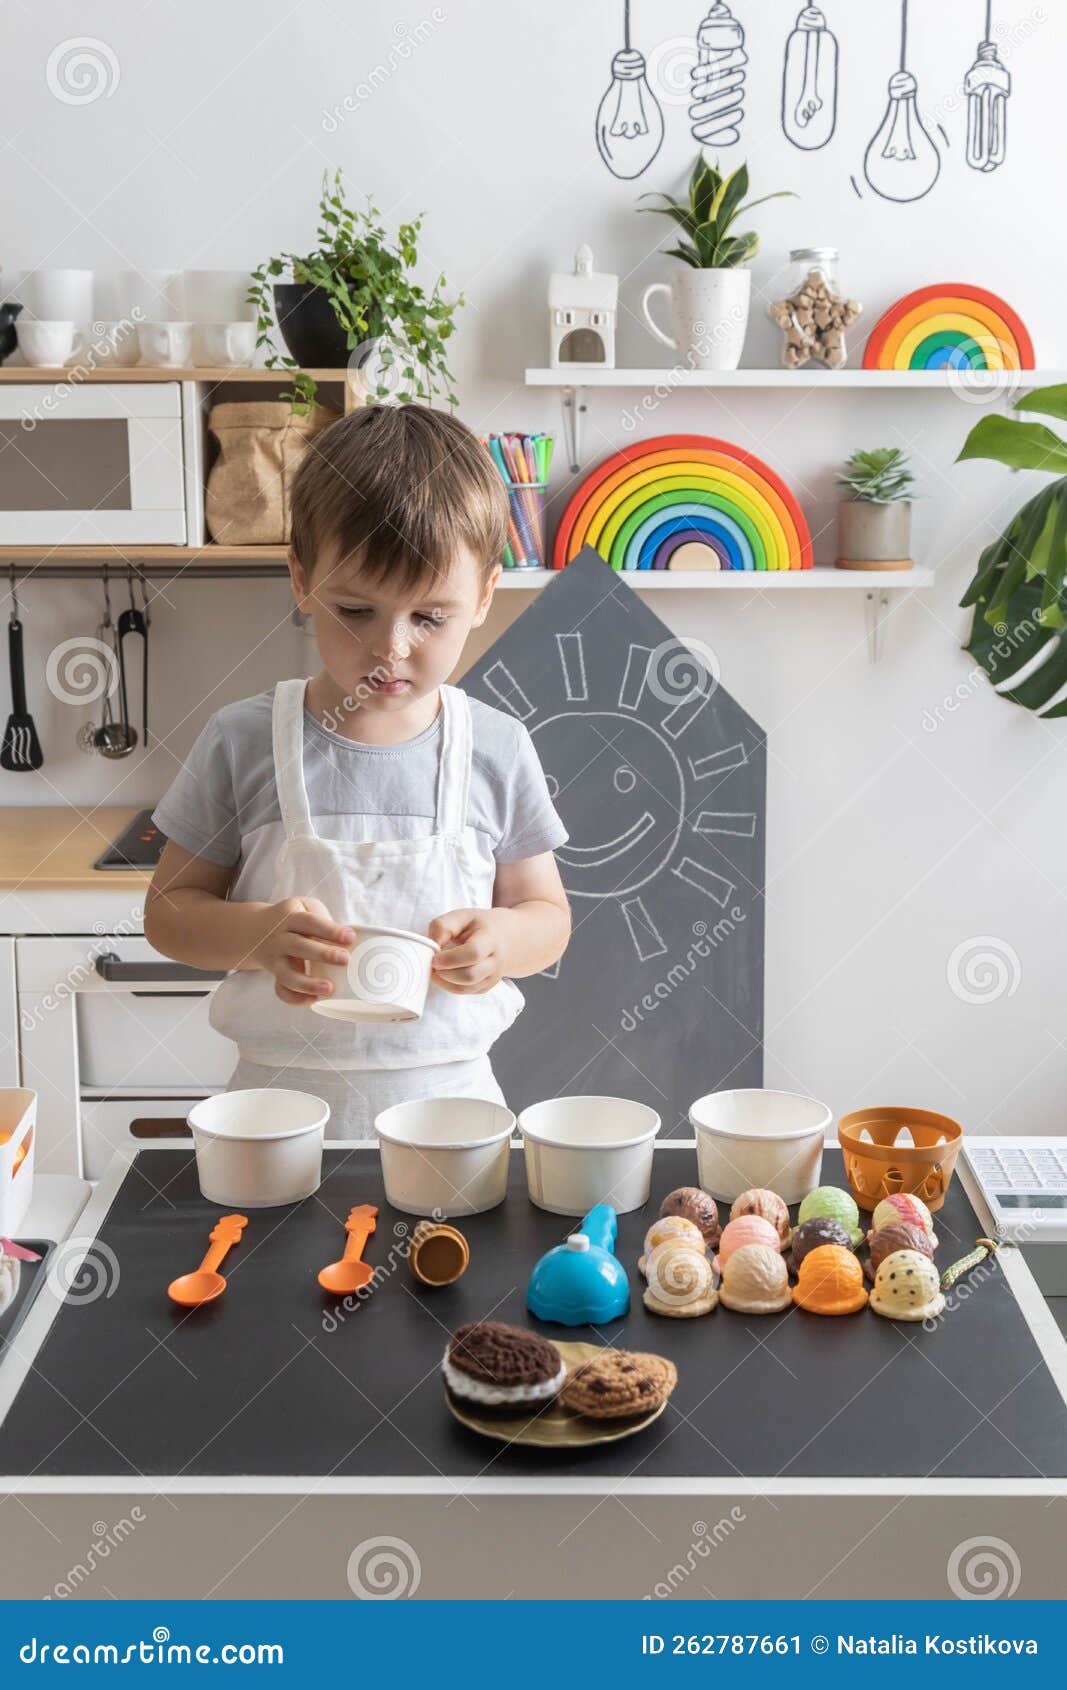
224, 802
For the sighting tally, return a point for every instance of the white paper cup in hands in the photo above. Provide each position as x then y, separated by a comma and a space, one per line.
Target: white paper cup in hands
387, 977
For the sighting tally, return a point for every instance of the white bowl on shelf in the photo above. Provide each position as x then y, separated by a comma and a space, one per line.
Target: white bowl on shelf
586, 1150
752, 1137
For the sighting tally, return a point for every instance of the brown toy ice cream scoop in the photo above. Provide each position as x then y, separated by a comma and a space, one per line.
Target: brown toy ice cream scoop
813, 1234
692, 1204
900, 1236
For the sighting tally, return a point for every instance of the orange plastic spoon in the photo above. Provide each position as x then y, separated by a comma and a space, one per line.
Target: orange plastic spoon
349, 1274
207, 1283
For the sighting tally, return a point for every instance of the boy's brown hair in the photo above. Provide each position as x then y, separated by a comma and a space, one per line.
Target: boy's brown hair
401, 487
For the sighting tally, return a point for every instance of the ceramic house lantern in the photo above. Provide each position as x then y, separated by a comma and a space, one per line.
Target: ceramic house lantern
582, 308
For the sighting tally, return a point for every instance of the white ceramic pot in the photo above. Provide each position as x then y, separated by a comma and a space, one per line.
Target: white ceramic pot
258, 1149
216, 296
58, 295
771, 1139
165, 344
709, 314
225, 345
445, 1156
387, 977
586, 1150
47, 344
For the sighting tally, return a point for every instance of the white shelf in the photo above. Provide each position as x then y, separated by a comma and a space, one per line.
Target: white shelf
948, 381
746, 580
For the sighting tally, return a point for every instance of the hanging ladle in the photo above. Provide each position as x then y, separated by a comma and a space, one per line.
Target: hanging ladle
207, 1282
350, 1273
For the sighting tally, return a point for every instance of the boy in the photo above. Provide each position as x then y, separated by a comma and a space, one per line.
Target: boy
374, 793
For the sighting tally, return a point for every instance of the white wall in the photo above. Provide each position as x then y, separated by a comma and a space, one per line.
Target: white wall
892, 840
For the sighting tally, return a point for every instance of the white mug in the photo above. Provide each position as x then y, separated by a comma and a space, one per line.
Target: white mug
47, 345
709, 311
226, 345
113, 343
164, 344
58, 296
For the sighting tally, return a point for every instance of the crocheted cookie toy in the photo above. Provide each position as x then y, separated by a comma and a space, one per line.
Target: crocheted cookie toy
619, 1383
496, 1365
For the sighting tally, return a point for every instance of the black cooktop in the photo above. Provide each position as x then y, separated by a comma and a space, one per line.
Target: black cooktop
277, 1378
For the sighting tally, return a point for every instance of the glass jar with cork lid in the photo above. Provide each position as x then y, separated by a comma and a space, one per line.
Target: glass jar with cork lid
812, 313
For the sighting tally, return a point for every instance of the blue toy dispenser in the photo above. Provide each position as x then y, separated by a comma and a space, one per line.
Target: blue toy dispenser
582, 1282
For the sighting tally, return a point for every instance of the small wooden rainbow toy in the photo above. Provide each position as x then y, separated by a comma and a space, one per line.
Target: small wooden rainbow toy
685, 501
952, 326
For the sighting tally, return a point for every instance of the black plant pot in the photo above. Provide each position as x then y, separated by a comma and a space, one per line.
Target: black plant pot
8, 332
309, 328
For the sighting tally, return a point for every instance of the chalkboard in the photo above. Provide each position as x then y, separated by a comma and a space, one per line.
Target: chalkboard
660, 779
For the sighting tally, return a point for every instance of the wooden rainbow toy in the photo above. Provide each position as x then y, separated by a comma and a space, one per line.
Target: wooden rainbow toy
952, 326
685, 501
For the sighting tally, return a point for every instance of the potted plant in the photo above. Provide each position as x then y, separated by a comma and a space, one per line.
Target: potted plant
710, 296
1018, 591
874, 521
352, 302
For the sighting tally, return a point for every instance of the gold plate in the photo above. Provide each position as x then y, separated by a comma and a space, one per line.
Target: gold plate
552, 1427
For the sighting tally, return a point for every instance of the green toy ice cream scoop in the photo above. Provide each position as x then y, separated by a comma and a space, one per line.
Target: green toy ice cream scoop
830, 1202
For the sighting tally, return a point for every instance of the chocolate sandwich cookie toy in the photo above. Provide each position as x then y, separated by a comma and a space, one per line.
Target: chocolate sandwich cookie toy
833, 1203
619, 1383
768, 1206
500, 1366
900, 1236
582, 1282
746, 1229
681, 1280
669, 1226
755, 1280
811, 1235
902, 1206
697, 1206
906, 1287
831, 1281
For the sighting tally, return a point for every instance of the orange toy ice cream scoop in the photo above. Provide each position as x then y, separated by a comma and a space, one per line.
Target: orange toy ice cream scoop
831, 1281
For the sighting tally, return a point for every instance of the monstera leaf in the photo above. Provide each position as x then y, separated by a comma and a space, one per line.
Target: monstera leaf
1018, 592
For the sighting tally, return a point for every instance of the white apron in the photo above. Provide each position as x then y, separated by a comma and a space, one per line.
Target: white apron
394, 882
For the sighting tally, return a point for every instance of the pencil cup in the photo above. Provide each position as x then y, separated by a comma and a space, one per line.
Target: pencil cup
526, 529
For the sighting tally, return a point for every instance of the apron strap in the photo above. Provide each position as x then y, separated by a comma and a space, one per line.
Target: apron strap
454, 766
287, 733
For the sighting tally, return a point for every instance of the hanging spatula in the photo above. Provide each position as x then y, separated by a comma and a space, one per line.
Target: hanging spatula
21, 751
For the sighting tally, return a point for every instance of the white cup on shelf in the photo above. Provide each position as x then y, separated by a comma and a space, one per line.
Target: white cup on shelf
225, 345
113, 344
47, 344
164, 345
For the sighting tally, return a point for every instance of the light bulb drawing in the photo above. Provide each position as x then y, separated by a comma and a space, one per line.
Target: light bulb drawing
902, 163
987, 86
809, 82
717, 80
629, 122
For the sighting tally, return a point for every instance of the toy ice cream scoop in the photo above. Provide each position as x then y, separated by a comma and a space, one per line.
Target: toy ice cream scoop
681, 1280
669, 1226
582, 1282
831, 1281
811, 1235
835, 1204
694, 1205
755, 1280
768, 1205
496, 1365
746, 1229
906, 1287
900, 1236
902, 1206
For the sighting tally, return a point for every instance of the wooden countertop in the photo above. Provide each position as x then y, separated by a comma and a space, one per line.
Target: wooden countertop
52, 847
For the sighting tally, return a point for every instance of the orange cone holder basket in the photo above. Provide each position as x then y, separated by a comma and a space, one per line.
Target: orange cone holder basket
877, 1166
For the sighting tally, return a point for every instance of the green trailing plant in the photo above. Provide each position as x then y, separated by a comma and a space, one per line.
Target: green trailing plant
1020, 605
881, 477
708, 215
368, 279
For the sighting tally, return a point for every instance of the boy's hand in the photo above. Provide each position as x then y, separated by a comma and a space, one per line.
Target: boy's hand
472, 955
298, 931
